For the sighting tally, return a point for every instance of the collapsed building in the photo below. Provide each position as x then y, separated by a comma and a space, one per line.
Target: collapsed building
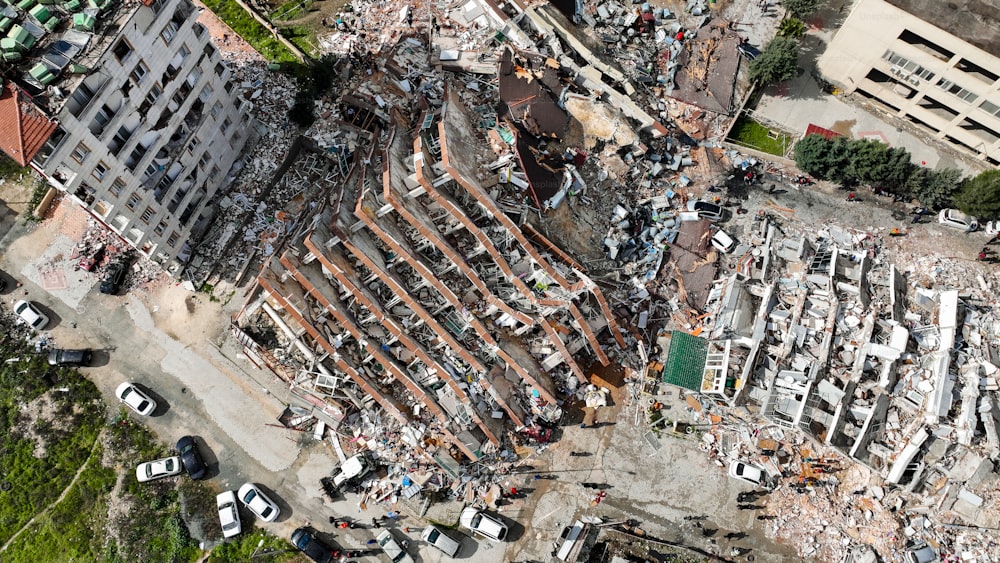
409, 291
824, 338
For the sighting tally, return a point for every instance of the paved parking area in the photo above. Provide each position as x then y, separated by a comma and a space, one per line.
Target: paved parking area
800, 102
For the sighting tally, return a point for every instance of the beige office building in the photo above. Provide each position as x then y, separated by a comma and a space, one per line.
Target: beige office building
930, 62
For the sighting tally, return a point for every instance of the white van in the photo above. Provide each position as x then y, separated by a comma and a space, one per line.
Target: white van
354, 467
436, 537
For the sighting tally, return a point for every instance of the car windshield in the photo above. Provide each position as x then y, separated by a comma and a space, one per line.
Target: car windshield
169, 465
251, 494
433, 536
476, 520
266, 512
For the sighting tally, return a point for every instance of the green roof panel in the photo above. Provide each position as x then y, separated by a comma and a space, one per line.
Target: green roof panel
685, 361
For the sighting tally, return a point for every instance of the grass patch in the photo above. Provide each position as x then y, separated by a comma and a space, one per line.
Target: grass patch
749, 133
240, 550
9, 168
291, 10
251, 30
302, 37
41, 188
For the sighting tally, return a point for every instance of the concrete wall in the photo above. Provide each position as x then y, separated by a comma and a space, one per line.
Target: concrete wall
857, 54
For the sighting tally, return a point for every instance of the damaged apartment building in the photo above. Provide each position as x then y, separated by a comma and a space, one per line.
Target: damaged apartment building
406, 290
825, 336
128, 108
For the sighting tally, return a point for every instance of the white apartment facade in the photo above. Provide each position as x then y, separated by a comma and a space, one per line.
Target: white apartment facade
927, 62
148, 133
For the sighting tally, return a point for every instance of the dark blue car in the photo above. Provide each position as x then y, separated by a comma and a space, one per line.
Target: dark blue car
191, 458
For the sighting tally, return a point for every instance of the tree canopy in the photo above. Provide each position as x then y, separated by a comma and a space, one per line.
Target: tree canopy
980, 195
776, 63
801, 8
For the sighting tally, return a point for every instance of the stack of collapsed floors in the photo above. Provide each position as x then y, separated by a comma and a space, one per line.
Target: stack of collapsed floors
413, 290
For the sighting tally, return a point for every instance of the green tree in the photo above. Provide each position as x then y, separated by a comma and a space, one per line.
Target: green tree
934, 188
777, 62
812, 154
980, 195
896, 170
801, 8
791, 27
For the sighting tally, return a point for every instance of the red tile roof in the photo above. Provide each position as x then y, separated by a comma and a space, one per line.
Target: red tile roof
817, 130
23, 127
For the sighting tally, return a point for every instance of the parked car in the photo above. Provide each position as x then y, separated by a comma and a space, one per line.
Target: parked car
707, 210
436, 537
258, 503
151, 470
193, 462
312, 546
486, 525
396, 553
113, 278
723, 242
135, 399
229, 514
60, 357
30, 314
747, 472
957, 219
992, 229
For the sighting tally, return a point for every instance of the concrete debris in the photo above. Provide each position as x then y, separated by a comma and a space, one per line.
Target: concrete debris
446, 252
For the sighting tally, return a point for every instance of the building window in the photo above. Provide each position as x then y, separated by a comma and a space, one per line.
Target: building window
958, 91
100, 170
194, 76
139, 72
990, 107
160, 227
80, 153
119, 140
204, 160
195, 141
154, 94
122, 50
209, 50
198, 29
172, 239
225, 125
150, 170
169, 31
215, 171
157, 5
147, 214
216, 108
133, 200
907, 69
117, 186
184, 51
206, 93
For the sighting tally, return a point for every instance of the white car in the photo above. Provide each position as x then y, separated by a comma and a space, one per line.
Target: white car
957, 219
747, 472
490, 527
229, 514
30, 315
436, 537
258, 503
723, 242
993, 228
152, 470
396, 553
135, 399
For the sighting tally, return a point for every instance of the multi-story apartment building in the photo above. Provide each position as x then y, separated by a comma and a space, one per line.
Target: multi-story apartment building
931, 63
127, 107
415, 293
